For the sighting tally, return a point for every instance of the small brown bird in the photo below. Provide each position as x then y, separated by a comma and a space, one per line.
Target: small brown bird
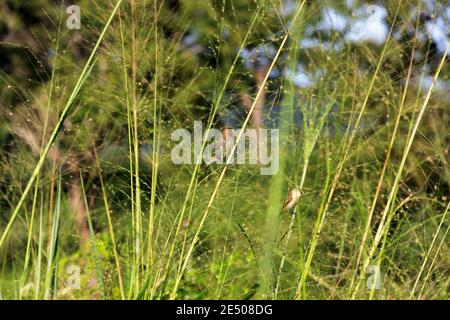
291, 199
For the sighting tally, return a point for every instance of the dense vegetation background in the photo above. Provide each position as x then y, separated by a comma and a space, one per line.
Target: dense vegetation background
359, 91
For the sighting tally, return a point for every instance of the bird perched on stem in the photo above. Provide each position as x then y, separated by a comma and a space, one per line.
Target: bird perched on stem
291, 199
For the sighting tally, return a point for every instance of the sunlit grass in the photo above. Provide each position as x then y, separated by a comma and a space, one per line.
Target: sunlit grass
160, 231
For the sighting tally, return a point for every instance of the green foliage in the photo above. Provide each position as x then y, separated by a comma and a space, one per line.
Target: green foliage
369, 154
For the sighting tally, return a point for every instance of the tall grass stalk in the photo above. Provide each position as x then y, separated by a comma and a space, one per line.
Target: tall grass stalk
110, 227
388, 213
193, 180
286, 119
52, 253
44, 132
55, 133
96, 254
137, 182
155, 150
37, 270
385, 166
321, 215
134, 280
232, 151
